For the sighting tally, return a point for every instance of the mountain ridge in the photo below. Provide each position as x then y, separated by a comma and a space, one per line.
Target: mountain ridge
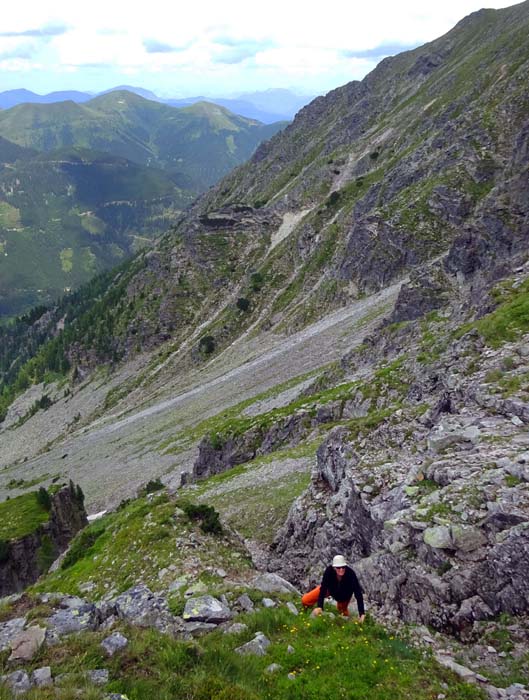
252, 105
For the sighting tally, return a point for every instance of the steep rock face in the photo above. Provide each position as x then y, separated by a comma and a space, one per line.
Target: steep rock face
432, 505
24, 563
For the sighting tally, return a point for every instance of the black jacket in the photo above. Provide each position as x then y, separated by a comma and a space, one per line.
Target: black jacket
341, 590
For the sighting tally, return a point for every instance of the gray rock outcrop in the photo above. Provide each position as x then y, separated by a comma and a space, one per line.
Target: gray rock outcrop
114, 643
27, 643
206, 608
432, 508
21, 567
141, 607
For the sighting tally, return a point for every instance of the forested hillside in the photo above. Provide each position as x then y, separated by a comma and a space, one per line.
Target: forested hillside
82, 187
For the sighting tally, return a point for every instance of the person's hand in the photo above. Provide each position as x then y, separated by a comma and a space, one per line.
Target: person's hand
316, 612
361, 618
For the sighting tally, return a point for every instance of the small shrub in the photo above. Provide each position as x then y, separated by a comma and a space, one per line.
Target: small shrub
79, 495
43, 498
333, 199
206, 515
216, 441
256, 281
494, 375
206, 345
243, 304
444, 568
512, 481
151, 487
44, 402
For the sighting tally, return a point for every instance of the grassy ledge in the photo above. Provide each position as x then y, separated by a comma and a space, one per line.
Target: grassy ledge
21, 516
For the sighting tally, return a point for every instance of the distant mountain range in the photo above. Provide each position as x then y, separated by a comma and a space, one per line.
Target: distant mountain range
267, 106
83, 185
197, 144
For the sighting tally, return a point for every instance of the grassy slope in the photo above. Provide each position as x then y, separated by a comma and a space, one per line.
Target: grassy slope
148, 534
331, 659
21, 516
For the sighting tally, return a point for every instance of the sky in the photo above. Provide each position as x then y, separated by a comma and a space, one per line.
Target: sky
212, 47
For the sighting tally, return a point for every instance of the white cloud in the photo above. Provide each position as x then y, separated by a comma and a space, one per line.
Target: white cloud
294, 43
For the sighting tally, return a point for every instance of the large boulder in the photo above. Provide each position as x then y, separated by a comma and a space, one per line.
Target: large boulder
18, 681
256, 646
75, 615
269, 582
26, 644
206, 608
141, 607
9, 631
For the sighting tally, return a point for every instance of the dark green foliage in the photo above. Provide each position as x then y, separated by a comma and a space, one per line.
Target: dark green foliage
4, 551
44, 402
207, 516
333, 199
46, 554
31, 354
76, 493
43, 498
206, 345
243, 304
216, 441
83, 541
79, 495
256, 281
151, 487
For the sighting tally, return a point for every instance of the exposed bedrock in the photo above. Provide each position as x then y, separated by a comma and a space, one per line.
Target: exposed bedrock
27, 557
435, 535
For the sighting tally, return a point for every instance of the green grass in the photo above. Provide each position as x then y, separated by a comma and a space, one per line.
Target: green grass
28, 483
9, 216
21, 516
332, 658
135, 543
514, 384
508, 321
258, 511
221, 422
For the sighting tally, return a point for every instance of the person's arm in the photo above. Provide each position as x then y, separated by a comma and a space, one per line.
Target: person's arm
324, 586
357, 590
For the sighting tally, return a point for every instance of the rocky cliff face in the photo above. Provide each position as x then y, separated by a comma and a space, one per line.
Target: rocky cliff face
432, 504
28, 557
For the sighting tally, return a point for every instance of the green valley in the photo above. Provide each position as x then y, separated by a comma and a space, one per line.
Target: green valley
82, 187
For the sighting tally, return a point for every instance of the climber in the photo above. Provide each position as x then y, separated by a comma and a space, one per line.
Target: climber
339, 582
